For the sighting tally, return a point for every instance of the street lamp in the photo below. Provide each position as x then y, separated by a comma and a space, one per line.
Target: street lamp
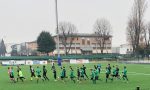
58, 51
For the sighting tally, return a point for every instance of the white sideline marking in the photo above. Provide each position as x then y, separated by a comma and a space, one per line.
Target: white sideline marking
134, 73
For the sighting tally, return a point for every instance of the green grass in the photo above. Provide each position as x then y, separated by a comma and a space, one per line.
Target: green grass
138, 74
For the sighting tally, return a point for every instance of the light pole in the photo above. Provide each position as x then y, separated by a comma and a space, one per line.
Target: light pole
57, 27
58, 51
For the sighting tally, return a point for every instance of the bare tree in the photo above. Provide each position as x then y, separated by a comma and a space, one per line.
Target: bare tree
136, 24
102, 29
146, 35
67, 32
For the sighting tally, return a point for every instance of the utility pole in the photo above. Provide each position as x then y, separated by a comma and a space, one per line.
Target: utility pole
58, 50
57, 28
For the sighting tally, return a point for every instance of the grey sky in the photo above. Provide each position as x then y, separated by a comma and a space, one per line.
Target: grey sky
23, 20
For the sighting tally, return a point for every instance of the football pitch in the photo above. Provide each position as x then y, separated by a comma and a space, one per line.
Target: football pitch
138, 75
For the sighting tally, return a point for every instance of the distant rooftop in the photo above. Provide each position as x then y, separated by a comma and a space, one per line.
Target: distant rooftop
83, 35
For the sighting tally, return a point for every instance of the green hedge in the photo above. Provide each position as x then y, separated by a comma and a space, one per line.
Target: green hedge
96, 56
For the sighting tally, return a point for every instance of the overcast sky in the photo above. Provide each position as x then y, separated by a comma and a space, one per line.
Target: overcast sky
23, 20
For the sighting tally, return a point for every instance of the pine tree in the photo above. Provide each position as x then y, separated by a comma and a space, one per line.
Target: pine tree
2, 48
46, 42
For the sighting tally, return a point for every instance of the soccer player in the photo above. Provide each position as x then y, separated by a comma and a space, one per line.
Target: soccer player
84, 69
53, 66
96, 74
45, 73
78, 73
72, 75
55, 74
38, 72
93, 76
11, 74
64, 70
81, 73
32, 71
117, 72
113, 72
109, 68
62, 75
21, 77
125, 73
18, 68
107, 74
99, 68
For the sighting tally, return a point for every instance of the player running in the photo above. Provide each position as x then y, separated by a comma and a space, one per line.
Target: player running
117, 72
38, 72
18, 72
109, 69
81, 74
125, 73
11, 74
55, 74
32, 71
62, 75
78, 74
72, 75
99, 68
107, 74
84, 70
113, 72
45, 73
93, 76
21, 77
96, 74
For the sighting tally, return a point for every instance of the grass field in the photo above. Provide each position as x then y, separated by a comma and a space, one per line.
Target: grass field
138, 74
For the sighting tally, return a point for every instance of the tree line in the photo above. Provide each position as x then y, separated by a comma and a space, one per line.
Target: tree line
67, 33
138, 30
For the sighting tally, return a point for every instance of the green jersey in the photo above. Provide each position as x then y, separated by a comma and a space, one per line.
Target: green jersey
38, 71
82, 72
107, 71
114, 71
12, 72
93, 74
20, 74
62, 73
96, 72
71, 74
125, 72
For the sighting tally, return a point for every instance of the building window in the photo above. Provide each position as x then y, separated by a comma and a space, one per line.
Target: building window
88, 42
83, 41
127, 50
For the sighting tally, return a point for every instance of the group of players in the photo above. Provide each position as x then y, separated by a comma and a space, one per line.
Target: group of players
110, 73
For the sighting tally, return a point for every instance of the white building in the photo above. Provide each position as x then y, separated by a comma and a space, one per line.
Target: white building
126, 49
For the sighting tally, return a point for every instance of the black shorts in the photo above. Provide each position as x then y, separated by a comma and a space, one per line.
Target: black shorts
96, 77
62, 77
92, 78
39, 76
124, 75
44, 74
11, 76
21, 77
107, 75
32, 74
117, 74
72, 77
55, 76
113, 75
82, 76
